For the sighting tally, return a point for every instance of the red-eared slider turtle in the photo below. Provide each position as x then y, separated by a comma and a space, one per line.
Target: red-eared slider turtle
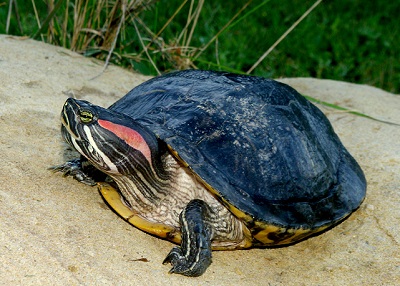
213, 160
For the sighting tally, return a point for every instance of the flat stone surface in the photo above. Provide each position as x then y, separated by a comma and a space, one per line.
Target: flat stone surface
56, 231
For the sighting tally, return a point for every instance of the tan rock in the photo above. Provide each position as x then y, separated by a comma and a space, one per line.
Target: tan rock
56, 231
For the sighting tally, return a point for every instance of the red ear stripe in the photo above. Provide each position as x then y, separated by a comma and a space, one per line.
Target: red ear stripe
130, 136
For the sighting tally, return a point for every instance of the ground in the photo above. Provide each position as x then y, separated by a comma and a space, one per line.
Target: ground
55, 231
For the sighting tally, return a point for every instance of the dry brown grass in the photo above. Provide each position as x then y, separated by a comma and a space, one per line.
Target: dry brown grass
99, 28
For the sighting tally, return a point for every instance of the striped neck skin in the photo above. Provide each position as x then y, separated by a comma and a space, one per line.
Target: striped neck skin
123, 149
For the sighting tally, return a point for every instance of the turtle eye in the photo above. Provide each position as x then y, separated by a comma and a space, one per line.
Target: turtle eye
85, 116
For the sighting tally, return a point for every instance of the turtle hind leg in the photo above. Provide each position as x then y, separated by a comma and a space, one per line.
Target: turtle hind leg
193, 257
81, 170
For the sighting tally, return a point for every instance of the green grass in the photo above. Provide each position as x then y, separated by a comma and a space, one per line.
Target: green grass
356, 41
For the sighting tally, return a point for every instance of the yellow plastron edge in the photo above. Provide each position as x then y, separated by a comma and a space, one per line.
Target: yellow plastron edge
113, 198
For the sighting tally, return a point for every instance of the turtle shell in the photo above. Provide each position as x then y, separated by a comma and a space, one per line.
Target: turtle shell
265, 151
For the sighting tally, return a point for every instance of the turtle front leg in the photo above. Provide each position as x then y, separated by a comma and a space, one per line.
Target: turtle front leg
193, 257
81, 170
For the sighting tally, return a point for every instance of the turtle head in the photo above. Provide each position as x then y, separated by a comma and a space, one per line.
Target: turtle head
113, 142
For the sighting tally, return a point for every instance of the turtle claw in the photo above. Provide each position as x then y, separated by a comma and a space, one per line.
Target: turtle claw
186, 265
73, 169
177, 260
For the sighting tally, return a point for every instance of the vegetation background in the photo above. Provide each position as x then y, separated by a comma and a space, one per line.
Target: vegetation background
349, 40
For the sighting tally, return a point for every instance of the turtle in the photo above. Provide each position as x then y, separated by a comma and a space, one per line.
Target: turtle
214, 160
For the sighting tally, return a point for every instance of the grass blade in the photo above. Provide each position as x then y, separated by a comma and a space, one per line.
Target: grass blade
337, 107
222, 30
48, 19
283, 36
255, 9
144, 48
9, 15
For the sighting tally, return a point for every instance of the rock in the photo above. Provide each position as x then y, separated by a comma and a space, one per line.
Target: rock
59, 232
